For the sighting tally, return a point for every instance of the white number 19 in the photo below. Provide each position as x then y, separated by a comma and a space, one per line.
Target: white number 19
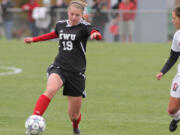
67, 45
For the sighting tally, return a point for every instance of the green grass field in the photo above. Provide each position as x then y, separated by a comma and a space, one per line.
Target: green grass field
124, 97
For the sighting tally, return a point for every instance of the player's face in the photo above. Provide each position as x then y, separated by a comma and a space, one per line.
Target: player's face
74, 15
175, 20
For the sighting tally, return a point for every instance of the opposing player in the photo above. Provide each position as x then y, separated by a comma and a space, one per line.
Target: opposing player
68, 68
174, 101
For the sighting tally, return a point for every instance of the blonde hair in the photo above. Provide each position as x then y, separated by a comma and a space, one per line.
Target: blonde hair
80, 4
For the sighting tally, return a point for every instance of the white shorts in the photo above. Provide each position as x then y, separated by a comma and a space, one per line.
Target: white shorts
175, 87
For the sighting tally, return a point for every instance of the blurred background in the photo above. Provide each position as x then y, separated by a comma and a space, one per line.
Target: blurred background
124, 97
118, 20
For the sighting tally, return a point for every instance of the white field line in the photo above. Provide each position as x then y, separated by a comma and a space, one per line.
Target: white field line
13, 70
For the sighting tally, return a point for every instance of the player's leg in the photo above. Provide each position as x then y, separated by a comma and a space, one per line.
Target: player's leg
174, 112
54, 83
74, 106
74, 89
174, 103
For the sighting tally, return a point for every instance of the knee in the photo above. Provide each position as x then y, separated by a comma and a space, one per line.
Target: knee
172, 111
74, 116
50, 93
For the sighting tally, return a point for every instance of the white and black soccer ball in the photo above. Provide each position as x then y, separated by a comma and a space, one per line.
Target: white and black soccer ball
35, 125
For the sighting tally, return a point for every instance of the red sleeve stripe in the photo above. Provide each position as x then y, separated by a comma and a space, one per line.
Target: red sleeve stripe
94, 31
44, 37
99, 37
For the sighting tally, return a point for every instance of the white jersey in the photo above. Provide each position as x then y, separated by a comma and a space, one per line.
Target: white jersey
176, 42
175, 89
176, 45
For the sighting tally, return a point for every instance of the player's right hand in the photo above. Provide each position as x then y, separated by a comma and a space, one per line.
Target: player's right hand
28, 40
159, 75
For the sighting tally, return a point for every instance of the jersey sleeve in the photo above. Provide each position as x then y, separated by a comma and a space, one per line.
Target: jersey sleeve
170, 62
90, 28
44, 37
174, 55
176, 42
57, 27
56, 31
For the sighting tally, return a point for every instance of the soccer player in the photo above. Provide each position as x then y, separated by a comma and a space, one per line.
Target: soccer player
174, 101
68, 68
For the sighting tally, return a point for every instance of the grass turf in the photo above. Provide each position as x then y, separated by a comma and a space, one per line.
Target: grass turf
124, 97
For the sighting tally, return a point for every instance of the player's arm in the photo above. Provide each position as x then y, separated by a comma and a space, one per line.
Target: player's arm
169, 63
95, 35
43, 37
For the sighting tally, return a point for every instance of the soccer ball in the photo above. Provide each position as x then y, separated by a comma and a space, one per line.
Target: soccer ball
35, 125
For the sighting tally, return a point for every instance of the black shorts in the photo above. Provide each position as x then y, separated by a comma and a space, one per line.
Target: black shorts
73, 82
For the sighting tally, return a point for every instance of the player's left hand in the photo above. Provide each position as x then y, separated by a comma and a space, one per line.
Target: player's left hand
96, 35
28, 40
159, 75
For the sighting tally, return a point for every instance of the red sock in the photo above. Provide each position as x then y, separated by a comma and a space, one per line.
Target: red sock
75, 123
41, 105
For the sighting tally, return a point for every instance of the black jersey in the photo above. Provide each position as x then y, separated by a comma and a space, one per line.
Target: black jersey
72, 45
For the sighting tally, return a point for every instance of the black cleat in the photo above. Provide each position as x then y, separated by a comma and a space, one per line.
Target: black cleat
76, 131
173, 125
